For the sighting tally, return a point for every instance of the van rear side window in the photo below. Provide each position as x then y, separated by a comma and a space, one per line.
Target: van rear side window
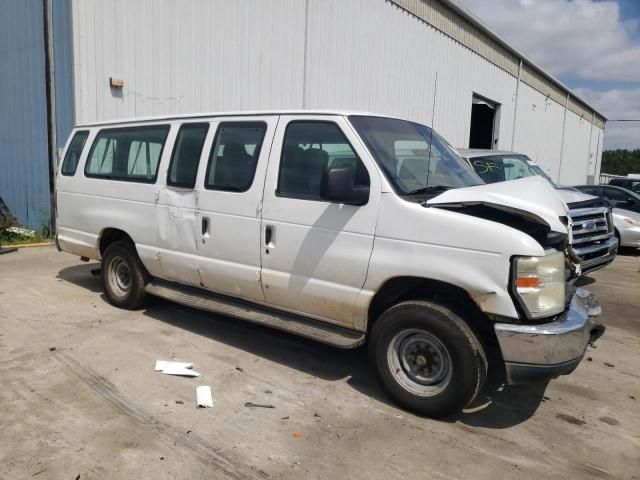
183, 168
130, 154
72, 157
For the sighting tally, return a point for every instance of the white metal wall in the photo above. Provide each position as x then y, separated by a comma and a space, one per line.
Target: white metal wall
595, 154
175, 56
371, 55
539, 132
576, 153
385, 60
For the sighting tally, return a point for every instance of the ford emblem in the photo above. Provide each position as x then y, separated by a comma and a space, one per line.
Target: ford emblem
589, 225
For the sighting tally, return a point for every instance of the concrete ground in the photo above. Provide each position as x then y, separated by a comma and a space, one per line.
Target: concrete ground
79, 398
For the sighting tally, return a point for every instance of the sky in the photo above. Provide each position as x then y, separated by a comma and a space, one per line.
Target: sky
592, 46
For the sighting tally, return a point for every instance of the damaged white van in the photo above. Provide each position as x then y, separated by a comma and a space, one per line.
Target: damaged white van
336, 226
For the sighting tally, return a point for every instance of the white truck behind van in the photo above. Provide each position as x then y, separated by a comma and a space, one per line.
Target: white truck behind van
593, 242
337, 226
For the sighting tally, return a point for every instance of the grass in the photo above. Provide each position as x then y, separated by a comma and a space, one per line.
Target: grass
8, 239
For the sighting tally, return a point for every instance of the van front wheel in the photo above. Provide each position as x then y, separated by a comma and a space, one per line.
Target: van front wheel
427, 359
123, 276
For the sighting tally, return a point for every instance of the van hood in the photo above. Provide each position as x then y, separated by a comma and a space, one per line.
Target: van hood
530, 197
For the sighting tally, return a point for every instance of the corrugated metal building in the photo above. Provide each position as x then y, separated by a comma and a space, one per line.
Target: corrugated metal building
218, 55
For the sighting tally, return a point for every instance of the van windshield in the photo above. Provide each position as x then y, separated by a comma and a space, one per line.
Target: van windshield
500, 168
413, 157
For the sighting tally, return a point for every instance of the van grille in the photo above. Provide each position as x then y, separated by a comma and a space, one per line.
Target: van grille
592, 236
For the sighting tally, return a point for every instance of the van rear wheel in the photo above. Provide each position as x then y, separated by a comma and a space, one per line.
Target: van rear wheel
123, 276
427, 359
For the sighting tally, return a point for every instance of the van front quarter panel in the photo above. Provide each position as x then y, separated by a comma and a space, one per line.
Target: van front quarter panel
435, 244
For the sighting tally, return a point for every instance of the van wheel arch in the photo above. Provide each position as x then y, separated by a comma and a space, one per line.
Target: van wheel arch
111, 235
400, 289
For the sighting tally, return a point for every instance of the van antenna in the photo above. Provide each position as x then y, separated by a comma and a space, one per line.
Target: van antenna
433, 114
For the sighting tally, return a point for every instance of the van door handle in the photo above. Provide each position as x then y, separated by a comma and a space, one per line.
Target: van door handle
205, 226
268, 234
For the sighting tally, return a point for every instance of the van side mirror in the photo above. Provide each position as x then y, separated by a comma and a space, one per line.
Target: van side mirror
338, 185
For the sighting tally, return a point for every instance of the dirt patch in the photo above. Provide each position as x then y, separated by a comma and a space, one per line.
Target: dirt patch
570, 419
609, 420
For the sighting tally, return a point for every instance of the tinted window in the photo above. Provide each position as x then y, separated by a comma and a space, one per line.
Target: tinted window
72, 157
628, 184
235, 153
615, 194
595, 191
131, 154
186, 155
309, 149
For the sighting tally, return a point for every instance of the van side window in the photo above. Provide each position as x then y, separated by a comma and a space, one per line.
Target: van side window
310, 147
72, 157
183, 167
130, 154
234, 157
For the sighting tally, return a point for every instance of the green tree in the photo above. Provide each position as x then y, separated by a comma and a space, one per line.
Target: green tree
620, 161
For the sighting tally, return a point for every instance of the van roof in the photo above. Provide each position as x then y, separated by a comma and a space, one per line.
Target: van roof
192, 116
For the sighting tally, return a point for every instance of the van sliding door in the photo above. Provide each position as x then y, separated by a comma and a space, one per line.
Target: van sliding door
229, 202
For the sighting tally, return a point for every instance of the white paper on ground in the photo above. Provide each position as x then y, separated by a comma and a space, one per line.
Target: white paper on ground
162, 364
203, 397
179, 370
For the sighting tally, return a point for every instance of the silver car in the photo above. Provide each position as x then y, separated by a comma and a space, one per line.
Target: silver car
626, 211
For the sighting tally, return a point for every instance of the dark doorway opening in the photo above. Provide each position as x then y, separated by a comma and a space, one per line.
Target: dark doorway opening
483, 117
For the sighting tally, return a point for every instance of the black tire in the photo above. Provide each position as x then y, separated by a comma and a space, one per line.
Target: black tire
402, 340
123, 276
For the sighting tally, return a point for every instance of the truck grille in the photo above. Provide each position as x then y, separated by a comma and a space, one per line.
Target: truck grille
592, 236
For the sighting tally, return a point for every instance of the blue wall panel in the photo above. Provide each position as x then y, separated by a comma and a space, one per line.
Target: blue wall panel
63, 67
24, 170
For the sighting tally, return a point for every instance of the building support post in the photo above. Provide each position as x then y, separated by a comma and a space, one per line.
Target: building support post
564, 123
51, 108
515, 107
593, 119
304, 59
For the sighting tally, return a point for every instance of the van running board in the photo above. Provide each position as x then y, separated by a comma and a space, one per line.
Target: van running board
305, 327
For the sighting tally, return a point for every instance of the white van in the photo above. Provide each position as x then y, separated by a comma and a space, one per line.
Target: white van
336, 226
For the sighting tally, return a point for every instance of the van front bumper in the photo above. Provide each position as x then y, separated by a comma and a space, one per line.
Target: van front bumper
540, 352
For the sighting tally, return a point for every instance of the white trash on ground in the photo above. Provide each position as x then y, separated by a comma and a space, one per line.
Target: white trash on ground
162, 364
182, 369
203, 397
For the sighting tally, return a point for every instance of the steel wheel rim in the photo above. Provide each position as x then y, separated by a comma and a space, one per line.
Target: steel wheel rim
419, 362
119, 276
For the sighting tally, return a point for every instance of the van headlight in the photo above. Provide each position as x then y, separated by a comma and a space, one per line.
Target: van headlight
539, 282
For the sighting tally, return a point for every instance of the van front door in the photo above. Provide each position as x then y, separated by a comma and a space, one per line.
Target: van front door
229, 206
315, 253
178, 235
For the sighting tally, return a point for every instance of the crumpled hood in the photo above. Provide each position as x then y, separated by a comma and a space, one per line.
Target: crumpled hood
532, 197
